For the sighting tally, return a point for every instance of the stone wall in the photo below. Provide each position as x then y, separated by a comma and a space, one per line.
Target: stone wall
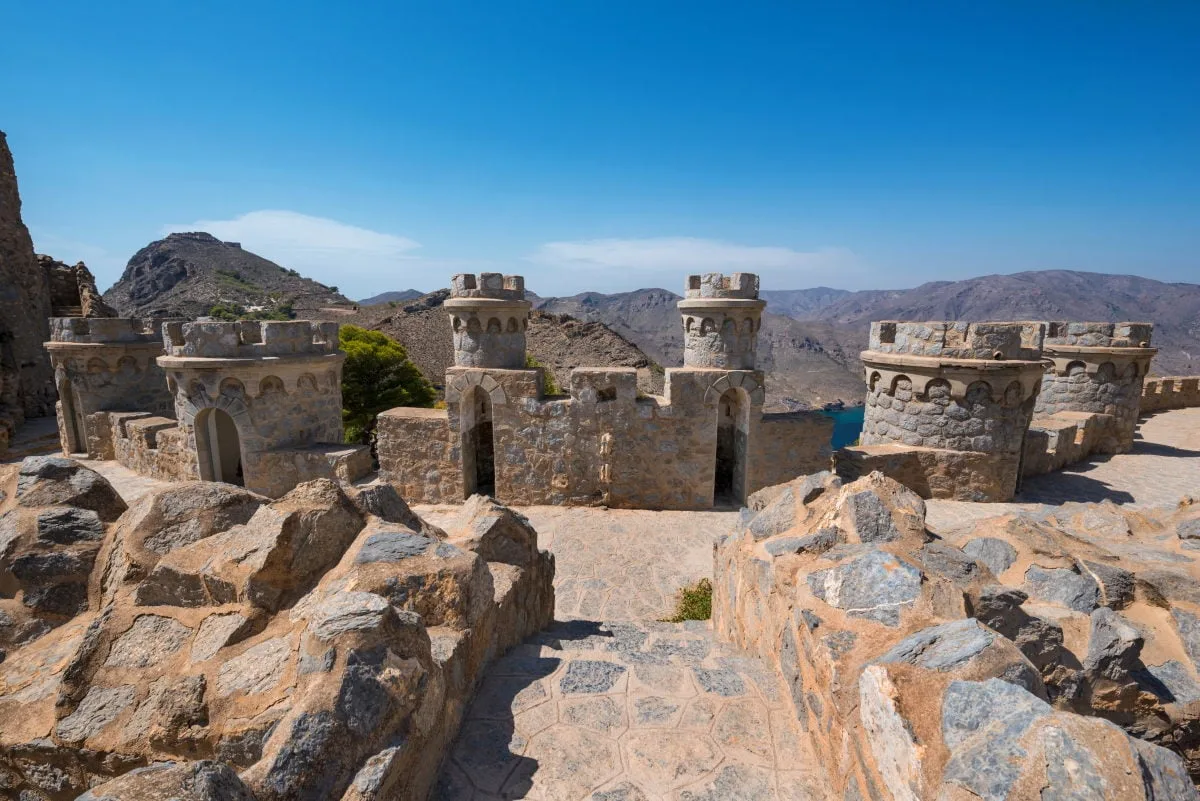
26, 376
602, 445
1175, 392
991, 665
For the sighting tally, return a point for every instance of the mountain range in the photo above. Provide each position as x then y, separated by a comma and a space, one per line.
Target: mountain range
808, 346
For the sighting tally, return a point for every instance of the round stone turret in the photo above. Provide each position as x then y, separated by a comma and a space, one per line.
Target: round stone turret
955, 386
721, 318
256, 400
488, 316
104, 364
1098, 368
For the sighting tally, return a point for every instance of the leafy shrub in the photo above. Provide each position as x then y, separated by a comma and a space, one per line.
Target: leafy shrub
549, 385
377, 376
694, 602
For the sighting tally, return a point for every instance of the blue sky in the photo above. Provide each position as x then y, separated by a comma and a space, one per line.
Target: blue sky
611, 145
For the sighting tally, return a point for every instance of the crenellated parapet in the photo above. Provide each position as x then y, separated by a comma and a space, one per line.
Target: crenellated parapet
250, 339
721, 319
105, 330
956, 387
489, 316
1097, 368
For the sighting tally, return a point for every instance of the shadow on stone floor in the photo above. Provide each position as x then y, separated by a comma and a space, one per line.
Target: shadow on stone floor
1143, 448
485, 761
1071, 487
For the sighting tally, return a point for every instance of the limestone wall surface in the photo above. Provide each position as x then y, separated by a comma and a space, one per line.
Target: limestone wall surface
1002, 664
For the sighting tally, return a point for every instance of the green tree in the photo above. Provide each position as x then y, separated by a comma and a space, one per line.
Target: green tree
377, 376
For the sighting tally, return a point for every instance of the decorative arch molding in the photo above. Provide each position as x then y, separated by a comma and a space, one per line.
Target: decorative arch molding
998, 376
459, 385
735, 380
193, 403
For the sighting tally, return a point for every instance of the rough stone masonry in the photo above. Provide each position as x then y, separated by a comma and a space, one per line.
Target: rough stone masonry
706, 440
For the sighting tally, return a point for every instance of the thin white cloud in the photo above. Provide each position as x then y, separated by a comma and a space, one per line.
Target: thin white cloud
687, 255
327, 250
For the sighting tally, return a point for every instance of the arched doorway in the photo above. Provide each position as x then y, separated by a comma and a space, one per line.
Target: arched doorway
73, 426
219, 447
733, 423
478, 448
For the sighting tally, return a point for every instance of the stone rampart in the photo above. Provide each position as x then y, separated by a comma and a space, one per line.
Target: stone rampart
1173, 392
489, 316
602, 445
950, 388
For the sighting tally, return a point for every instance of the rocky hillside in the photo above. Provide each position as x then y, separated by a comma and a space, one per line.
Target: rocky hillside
558, 342
186, 275
392, 297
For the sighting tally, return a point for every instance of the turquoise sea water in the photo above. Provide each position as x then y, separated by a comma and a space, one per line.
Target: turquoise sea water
847, 425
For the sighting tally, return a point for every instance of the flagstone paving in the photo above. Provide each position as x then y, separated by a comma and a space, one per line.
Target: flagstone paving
629, 711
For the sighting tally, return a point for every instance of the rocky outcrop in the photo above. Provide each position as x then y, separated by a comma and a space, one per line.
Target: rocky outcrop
51, 530
73, 291
26, 378
1049, 655
185, 275
321, 646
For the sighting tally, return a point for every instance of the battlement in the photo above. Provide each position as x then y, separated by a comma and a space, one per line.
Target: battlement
743, 286
1099, 335
250, 339
105, 330
493, 286
959, 340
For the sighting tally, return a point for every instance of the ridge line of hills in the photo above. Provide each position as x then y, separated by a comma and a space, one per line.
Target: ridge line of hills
808, 347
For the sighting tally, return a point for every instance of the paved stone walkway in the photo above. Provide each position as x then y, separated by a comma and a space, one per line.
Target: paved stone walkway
1162, 468
629, 712
618, 564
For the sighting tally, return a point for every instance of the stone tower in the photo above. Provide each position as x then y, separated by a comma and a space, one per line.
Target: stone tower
104, 364
721, 318
1097, 368
260, 402
956, 398
488, 317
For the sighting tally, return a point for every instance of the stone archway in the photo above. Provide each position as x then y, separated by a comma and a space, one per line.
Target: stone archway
218, 447
74, 429
478, 444
733, 431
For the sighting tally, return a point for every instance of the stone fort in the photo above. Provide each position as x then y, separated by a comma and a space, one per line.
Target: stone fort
705, 440
957, 410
